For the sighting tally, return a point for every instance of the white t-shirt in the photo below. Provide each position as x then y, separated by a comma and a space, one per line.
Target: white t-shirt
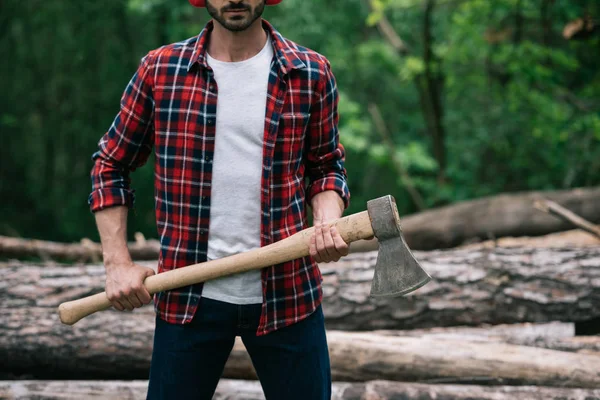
235, 207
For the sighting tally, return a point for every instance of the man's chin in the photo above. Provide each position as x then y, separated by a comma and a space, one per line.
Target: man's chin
237, 24
236, 28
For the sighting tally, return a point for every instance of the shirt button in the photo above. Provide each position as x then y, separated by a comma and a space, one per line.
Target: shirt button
207, 159
210, 121
211, 88
202, 231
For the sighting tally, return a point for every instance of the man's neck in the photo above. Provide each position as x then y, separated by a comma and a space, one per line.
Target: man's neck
228, 46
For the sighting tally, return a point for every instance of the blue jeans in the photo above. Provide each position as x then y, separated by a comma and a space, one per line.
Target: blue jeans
188, 360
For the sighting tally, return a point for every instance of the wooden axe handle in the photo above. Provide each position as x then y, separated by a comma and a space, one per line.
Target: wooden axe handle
352, 228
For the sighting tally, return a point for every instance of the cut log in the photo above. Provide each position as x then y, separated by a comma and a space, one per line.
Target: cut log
552, 335
575, 238
84, 251
491, 217
251, 390
496, 216
111, 345
568, 239
367, 356
506, 215
469, 287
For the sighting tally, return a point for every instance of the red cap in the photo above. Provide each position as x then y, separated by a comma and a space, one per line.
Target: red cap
202, 3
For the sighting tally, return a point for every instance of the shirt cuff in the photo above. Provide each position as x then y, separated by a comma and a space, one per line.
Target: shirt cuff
334, 183
108, 197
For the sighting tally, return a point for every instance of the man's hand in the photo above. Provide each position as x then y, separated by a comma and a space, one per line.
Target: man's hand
327, 244
125, 285
124, 279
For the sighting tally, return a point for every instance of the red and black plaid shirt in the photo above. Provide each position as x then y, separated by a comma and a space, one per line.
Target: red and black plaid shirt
171, 104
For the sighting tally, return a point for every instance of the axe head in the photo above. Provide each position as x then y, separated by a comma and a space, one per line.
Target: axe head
397, 272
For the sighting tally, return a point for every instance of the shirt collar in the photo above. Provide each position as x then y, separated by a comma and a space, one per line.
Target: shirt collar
286, 55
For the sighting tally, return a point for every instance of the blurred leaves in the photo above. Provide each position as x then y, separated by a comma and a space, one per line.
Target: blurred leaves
521, 104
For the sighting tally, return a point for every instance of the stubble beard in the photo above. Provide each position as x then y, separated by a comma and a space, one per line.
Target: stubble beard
239, 22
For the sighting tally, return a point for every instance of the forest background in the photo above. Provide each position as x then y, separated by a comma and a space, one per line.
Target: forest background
441, 100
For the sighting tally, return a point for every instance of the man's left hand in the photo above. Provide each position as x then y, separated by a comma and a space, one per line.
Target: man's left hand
327, 244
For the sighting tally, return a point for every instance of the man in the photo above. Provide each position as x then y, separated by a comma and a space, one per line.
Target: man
238, 117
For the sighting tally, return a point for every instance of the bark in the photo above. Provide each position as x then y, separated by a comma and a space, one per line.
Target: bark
368, 356
568, 239
492, 217
111, 345
487, 218
85, 251
251, 390
553, 335
469, 287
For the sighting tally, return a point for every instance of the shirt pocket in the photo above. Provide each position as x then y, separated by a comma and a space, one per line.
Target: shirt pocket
289, 145
292, 126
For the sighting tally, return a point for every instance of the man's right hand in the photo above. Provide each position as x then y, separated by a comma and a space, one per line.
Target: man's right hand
125, 285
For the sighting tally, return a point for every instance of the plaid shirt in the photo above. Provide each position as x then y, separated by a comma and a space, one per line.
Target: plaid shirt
170, 105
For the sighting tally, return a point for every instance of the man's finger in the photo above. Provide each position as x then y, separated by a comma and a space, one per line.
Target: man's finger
149, 272
126, 304
319, 234
320, 242
144, 295
313, 249
117, 305
329, 246
135, 300
340, 245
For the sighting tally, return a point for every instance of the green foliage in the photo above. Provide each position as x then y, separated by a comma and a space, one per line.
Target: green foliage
520, 102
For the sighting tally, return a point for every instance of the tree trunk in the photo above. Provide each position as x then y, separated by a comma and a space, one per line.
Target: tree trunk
433, 88
111, 345
251, 390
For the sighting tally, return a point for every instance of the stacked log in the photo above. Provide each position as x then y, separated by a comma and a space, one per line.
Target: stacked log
251, 390
504, 215
111, 345
469, 287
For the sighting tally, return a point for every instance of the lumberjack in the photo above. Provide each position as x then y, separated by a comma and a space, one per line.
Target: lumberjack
238, 117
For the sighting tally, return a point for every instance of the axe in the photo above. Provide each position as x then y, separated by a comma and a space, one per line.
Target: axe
397, 272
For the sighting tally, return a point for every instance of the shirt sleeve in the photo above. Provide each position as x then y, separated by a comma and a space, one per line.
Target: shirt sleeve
127, 144
326, 155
